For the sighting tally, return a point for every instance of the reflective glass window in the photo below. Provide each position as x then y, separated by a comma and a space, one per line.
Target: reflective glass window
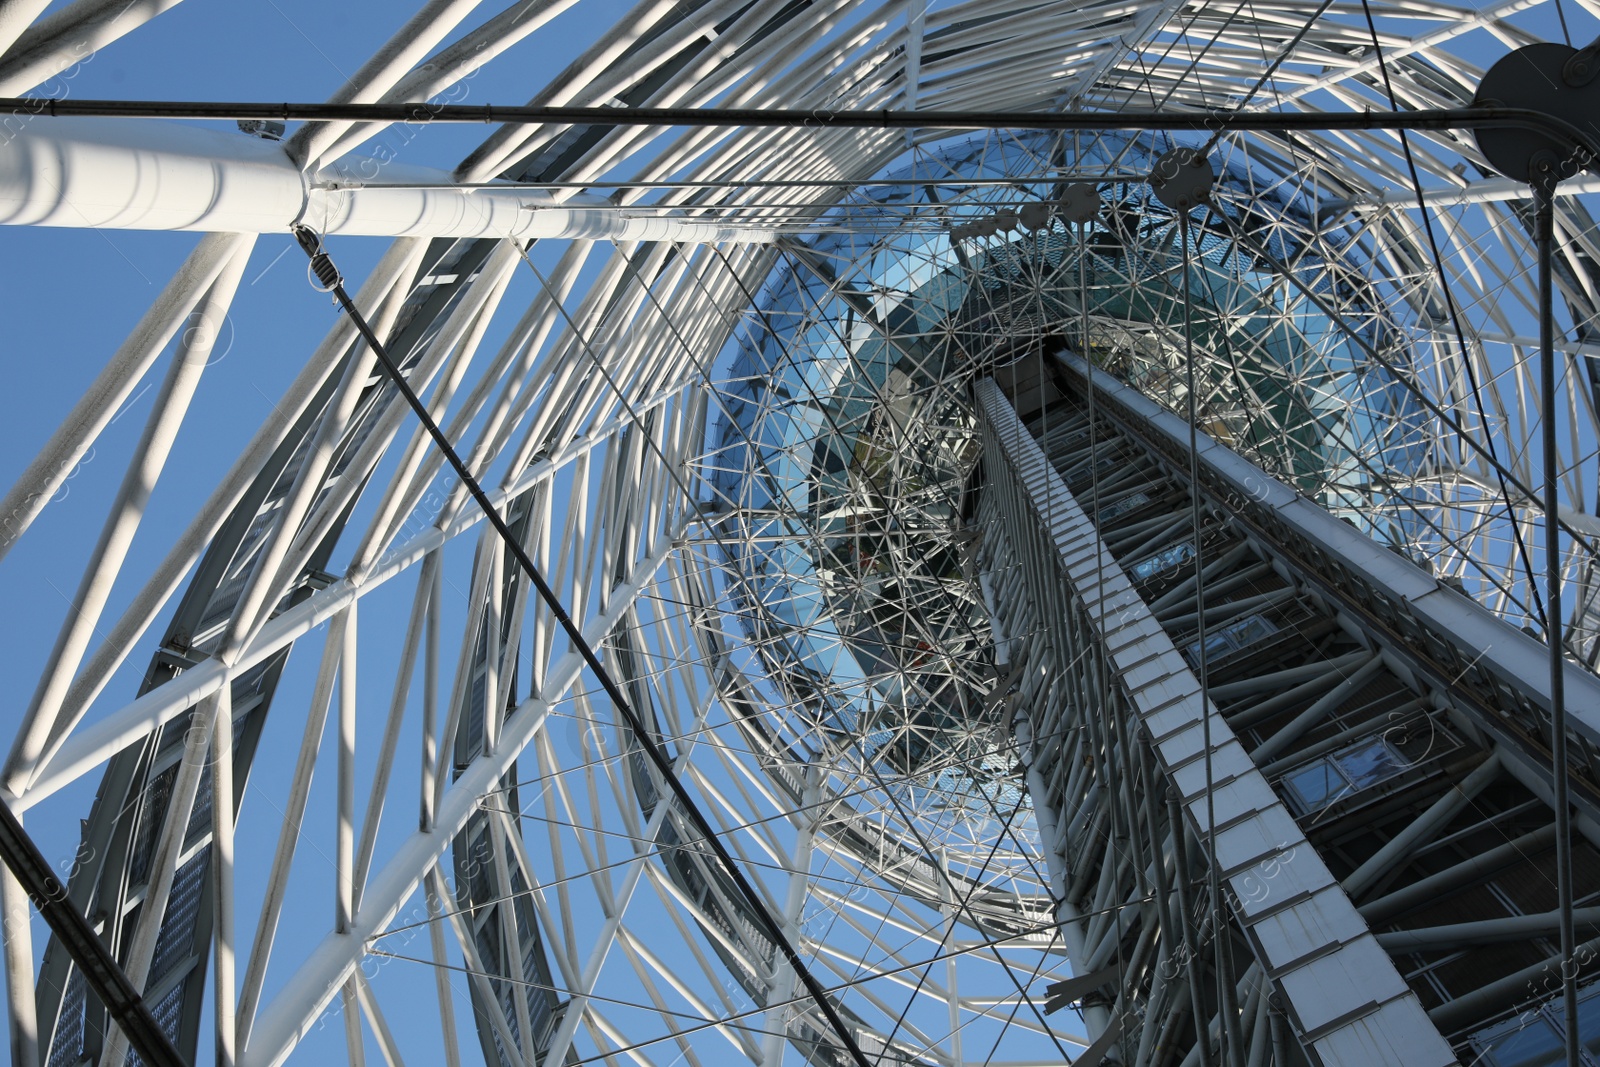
1370, 763
1168, 558
1315, 785
1121, 507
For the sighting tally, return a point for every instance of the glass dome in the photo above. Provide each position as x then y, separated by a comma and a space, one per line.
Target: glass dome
848, 441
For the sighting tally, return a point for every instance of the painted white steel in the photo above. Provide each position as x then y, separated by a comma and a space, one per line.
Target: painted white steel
284, 1021
110, 389
56, 44
145, 467
1341, 974
151, 175
95, 744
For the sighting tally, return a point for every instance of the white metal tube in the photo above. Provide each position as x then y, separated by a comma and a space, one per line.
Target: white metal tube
510, 936
164, 865
441, 976
151, 175
391, 732
15, 17
289, 833
350, 1008
295, 1009
59, 42
222, 825
403, 51
345, 834
101, 400
784, 982
263, 587
459, 60
127, 511
578, 1005
393, 268
380, 1026
108, 736
476, 971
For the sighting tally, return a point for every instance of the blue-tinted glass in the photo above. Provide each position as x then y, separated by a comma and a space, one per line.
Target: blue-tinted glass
1526, 1041
1121, 507
1164, 560
1249, 631
1371, 763
1315, 785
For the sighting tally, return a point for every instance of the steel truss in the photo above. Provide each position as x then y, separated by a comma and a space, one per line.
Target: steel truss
576, 917
1377, 757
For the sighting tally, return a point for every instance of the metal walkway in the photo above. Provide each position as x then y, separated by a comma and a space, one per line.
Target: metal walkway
1372, 753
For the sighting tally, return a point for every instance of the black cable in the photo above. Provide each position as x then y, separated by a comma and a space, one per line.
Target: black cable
1544, 237
97, 965
1226, 1051
329, 276
1476, 118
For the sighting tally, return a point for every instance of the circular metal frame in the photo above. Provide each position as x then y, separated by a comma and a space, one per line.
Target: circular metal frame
548, 897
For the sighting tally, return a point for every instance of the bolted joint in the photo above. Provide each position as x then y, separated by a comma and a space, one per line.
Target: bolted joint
1546, 170
1080, 203
1557, 81
1182, 179
1583, 67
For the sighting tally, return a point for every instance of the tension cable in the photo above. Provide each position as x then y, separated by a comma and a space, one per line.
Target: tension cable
328, 275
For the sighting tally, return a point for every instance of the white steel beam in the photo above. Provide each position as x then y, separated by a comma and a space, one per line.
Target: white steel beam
408, 47
57, 43
151, 175
295, 1009
78, 430
15, 17
127, 510
80, 752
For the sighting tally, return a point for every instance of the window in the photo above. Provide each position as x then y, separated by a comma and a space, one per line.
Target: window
1120, 508
1231, 638
1325, 781
1532, 1038
1165, 560
1371, 763
1314, 786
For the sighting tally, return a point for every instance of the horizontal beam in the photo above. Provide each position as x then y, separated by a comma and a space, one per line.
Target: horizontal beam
115, 173
883, 119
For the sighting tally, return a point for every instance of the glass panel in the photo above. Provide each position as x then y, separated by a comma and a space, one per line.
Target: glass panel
1589, 1021
1525, 1041
1165, 560
1121, 507
1371, 763
1249, 631
1231, 638
1315, 785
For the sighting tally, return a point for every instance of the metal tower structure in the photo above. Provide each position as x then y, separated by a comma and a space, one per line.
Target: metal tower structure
1084, 626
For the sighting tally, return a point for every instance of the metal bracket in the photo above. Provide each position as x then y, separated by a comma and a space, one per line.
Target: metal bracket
1080, 203
1182, 179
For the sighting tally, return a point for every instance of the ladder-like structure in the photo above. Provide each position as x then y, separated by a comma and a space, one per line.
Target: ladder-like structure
1370, 746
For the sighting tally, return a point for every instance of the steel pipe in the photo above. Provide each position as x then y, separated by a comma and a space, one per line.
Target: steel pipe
1486, 931
114, 174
